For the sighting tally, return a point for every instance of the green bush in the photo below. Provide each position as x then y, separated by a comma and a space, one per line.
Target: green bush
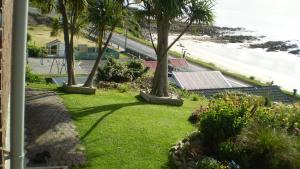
241, 128
123, 88
267, 147
280, 116
31, 77
195, 97
114, 71
136, 69
28, 37
209, 163
228, 151
35, 51
225, 117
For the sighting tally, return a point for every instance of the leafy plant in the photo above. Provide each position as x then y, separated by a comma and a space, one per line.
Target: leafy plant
225, 117
31, 77
123, 88
268, 148
114, 71
209, 163
136, 69
35, 51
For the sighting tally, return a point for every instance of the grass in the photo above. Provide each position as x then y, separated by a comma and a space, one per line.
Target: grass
119, 130
40, 35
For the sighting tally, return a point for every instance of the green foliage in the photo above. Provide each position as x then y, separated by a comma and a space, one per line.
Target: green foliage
268, 148
226, 116
228, 150
29, 38
209, 163
31, 77
105, 15
194, 97
136, 68
123, 88
279, 116
114, 71
35, 51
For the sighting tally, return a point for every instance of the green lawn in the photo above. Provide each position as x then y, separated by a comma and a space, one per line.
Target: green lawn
121, 132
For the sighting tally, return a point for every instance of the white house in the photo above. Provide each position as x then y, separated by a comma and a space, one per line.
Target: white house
55, 48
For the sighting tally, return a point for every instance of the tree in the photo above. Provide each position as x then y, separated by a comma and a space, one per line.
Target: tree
103, 16
70, 11
166, 13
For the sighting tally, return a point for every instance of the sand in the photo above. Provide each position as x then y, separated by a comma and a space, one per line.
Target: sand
280, 67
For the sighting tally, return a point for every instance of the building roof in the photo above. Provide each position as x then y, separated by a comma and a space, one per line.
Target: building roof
179, 63
272, 92
56, 41
201, 80
151, 65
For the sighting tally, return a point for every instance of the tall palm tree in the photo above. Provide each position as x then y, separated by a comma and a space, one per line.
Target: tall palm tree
166, 13
70, 12
103, 17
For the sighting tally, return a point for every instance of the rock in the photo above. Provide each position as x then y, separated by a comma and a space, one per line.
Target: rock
295, 52
239, 38
273, 46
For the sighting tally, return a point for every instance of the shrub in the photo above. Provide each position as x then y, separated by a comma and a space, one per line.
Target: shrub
268, 148
228, 151
209, 163
28, 37
195, 117
194, 97
31, 77
35, 51
136, 69
123, 88
114, 71
227, 114
279, 116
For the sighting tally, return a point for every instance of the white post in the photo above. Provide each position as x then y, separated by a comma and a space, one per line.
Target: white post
18, 82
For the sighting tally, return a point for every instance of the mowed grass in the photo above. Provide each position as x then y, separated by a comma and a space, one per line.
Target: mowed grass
119, 131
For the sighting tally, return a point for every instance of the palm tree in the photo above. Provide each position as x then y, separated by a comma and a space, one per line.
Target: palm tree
70, 11
103, 16
167, 12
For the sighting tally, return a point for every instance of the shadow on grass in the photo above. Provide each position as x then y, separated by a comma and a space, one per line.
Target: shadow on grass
111, 108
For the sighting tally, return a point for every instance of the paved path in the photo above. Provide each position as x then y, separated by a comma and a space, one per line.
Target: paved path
51, 137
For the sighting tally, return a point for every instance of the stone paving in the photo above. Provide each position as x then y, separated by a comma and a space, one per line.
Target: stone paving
51, 136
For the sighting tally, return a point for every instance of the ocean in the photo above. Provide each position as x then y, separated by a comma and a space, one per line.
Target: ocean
276, 19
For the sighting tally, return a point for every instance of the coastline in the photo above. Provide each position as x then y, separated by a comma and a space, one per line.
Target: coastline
279, 67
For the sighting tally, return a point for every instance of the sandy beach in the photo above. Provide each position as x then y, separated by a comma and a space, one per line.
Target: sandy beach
280, 67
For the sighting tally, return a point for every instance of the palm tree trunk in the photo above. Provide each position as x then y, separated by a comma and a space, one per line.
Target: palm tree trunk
160, 82
72, 58
70, 68
101, 52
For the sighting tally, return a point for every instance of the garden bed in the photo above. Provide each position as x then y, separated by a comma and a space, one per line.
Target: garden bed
173, 100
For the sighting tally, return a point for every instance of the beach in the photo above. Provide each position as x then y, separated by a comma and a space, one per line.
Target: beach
280, 67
